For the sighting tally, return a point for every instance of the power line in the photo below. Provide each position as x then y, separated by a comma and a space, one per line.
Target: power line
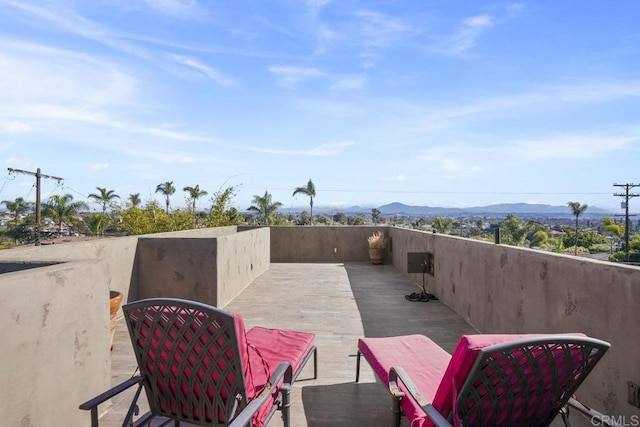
38, 176
626, 196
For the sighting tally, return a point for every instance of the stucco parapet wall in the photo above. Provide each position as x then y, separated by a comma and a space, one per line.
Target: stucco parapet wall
55, 342
507, 289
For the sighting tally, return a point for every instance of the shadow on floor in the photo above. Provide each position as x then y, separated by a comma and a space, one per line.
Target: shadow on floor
369, 404
379, 293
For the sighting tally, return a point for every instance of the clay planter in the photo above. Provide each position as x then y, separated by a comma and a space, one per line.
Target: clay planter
115, 301
376, 255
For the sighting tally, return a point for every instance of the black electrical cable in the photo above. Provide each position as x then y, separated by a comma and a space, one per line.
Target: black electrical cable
423, 296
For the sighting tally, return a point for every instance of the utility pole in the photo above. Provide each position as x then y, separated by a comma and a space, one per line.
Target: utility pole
626, 196
38, 176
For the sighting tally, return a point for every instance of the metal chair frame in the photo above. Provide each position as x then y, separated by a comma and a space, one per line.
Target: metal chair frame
526, 381
190, 366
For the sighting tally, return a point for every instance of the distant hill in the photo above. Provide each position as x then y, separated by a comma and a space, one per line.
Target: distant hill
518, 209
526, 209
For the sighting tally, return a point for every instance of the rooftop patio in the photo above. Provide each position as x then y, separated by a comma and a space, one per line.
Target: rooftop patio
55, 316
339, 302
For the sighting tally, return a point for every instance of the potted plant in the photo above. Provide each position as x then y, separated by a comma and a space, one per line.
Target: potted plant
115, 301
376, 247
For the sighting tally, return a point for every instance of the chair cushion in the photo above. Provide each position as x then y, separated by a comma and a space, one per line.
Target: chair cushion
462, 361
278, 345
263, 350
423, 360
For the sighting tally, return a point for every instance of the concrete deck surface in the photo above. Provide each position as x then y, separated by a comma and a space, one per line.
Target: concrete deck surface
339, 303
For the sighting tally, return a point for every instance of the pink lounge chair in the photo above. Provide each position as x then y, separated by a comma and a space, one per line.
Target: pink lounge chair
489, 380
199, 366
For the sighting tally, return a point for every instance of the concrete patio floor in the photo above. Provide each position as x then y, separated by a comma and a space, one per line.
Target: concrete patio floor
339, 303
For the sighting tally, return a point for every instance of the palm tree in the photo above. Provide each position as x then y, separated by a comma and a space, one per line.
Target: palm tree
577, 210
105, 197
194, 194
309, 190
167, 189
264, 206
18, 207
135, 200
62, 209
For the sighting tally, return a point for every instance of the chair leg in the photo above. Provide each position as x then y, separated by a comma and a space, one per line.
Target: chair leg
358, 366
315, 363
286, 406
395, 410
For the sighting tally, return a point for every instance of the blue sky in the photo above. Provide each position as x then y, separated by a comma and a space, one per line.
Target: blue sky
437, 103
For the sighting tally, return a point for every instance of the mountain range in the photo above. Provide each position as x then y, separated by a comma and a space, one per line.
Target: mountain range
518, 209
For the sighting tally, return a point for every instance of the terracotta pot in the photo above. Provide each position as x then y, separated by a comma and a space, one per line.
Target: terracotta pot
115, 301
376, 255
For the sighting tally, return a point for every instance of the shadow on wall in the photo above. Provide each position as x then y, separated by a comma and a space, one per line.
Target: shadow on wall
10, 267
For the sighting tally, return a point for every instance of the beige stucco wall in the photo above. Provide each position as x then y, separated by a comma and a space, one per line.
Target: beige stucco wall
321, 243
209, 270
55, 343
504, 289
242, 257
115, 254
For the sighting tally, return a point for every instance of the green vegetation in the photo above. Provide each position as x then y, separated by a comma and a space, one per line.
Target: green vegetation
265, 208
577, 210
62, 209
309, 190
166, 189
105, 197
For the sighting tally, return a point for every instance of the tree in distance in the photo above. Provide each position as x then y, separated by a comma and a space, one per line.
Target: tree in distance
166, 189
104, 197
264, 207
577, 210
194, 194
62, 209
309, 190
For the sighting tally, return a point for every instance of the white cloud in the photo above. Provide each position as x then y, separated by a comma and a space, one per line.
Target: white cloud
330, 149
14, 127
396, 178
465, 38
291, 76
380, 30
569, 146
99, 166
209, 72
349, 83
175, 8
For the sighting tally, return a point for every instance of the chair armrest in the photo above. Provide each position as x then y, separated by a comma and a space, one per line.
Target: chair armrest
114, 391
92, 405
397, 373
283, 372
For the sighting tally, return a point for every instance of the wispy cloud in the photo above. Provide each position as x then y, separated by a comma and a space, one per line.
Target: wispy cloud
289, 76
274, 27
466, 36
209, 72
98, 166
453, 161
176, 8
570, 146
541, 99
395, 178
330, 149
349, 83
14, 127
380, 30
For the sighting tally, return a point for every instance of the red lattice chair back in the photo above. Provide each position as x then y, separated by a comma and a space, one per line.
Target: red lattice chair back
523, 382
189, 356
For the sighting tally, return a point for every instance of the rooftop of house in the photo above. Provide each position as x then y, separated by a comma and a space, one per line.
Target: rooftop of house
339, 302
56, 319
